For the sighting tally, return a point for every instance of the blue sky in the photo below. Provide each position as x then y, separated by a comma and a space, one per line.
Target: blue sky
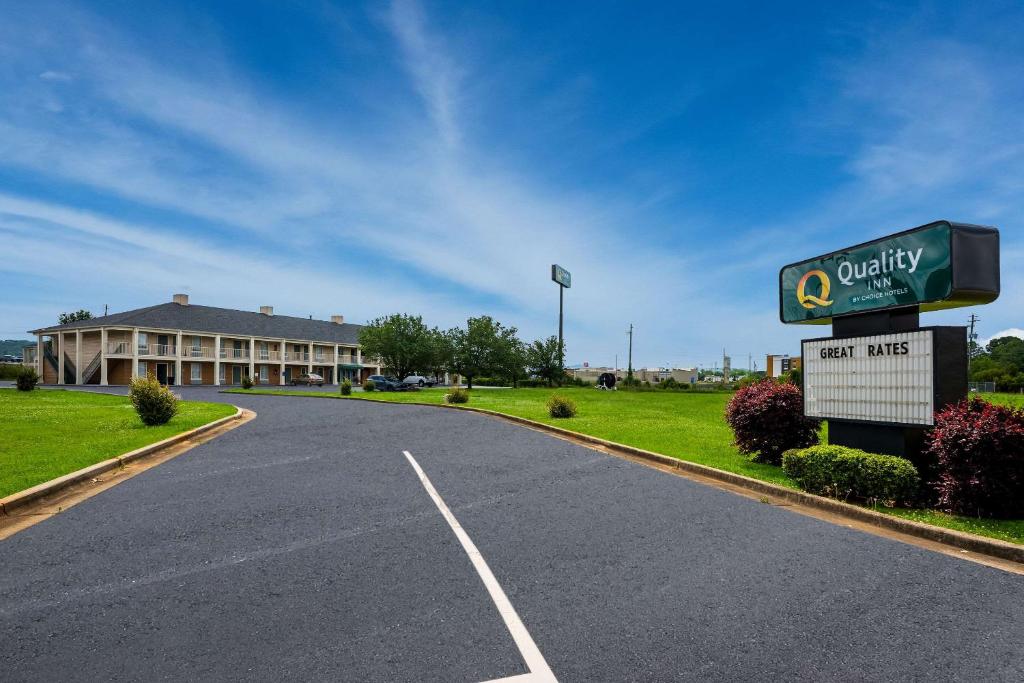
436, 158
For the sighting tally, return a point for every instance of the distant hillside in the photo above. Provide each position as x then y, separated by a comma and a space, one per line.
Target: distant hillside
13, 347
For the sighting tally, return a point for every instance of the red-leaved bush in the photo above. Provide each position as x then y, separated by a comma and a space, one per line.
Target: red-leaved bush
767, 418
979, 448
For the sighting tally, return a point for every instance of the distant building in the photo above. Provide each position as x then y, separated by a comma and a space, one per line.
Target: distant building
652, 375
776, 366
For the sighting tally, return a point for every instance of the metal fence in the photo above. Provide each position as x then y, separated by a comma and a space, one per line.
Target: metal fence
981, 386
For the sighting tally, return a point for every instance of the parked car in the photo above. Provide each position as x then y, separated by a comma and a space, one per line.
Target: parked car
418, 380
383, 383
309, 379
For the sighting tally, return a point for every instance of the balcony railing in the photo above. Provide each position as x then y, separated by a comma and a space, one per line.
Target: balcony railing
194, 352
158, 350
234, 354
122, 348
294, 357
266, 356
323, 358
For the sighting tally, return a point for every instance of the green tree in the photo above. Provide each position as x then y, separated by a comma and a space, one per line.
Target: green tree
478, 350
80, 314
402, 342
510, 356
544, 359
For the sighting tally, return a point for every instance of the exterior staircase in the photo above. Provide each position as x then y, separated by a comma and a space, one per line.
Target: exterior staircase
91, 369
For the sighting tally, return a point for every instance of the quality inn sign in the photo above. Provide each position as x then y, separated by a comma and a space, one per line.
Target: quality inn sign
936, 266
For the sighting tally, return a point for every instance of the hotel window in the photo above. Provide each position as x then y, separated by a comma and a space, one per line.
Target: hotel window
222, 374
143, 368
197, 372
264, 373
143, 340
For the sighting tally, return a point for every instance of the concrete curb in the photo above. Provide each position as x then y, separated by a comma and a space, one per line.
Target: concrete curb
950, 537
22, 498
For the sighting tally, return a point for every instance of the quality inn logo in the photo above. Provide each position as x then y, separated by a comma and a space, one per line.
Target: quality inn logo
809, 300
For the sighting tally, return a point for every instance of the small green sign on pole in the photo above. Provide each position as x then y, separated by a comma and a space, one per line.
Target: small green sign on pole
936, 266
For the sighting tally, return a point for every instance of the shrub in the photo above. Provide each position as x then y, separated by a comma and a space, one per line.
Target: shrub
559, 406
532, 383
841, 472
668, 383
369, 385
457, 395
979, 448
12, 370
246, 382
346, 388
793, 377
768, 418
154, 403
26, 379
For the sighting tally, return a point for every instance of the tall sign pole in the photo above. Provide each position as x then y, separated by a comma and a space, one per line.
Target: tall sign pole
563, 278
629, 372
881, 377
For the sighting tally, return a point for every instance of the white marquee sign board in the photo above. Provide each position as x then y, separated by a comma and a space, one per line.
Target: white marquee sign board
879, 378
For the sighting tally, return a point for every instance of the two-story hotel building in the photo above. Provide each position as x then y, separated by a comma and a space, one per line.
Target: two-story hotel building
182, 344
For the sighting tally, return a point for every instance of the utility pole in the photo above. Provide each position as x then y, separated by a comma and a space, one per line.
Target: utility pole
629, 372
971, 337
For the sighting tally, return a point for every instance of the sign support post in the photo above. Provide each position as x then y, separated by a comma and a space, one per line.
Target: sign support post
563, 278
880, 377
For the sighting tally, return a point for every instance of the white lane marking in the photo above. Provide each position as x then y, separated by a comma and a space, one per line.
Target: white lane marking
539, 669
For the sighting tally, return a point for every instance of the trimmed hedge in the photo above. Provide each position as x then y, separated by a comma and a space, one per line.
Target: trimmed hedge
845, 473
346, 388
980, 452
369, 385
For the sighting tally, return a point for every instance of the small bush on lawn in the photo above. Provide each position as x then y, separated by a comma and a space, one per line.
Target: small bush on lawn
154, 403
246, 382
767, 419
979, 448
26, 379
369, 385
845, 473
457, 395
346, 388
559, 406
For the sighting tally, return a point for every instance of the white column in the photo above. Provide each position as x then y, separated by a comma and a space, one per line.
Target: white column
216, 360
359, 362
252, 358
135, 353
310, 363
103, 357
334, 370
282, 345
60, 358
177, 361
39, 356
78, 356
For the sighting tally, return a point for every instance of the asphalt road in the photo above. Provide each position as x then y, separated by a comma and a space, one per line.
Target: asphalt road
303, 546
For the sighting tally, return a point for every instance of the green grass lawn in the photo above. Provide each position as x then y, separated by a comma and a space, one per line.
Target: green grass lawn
686, 425
45, 434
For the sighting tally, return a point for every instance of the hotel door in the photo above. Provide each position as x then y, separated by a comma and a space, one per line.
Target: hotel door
164, 374
236, 374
